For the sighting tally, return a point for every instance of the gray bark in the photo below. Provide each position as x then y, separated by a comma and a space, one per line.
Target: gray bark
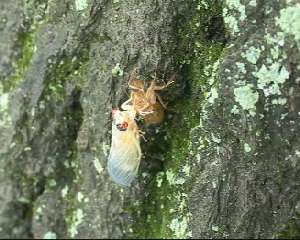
225, 162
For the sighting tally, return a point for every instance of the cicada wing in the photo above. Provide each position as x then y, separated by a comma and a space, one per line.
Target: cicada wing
123, 165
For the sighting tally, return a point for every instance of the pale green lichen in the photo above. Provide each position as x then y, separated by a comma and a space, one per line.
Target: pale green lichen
81, 4
80, 196
275, 52
5, 119
186, 170
269, 78
279, 101
213, 72
289, 21
180, 227
52, 183
66, 164
23, 200
173, 179
64, 191
105, 149
180, 181
241, 67
98, 165
27, 149
213, 95
117, 71
275, 39
235, 110
252, 3
246, 97
215, 228
170, 177
247, 147
252, 54
39, 211
215, 139
159, 178
231, 21
77, 219
236, 5
50, 235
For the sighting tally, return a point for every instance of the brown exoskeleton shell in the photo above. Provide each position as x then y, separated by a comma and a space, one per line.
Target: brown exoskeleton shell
145, 101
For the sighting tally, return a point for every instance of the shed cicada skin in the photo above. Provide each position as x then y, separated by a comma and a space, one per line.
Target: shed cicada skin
146, 102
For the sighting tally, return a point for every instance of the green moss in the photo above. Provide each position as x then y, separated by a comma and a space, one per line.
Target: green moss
27, 43
163, 212
64, 82
67, 71
291, 230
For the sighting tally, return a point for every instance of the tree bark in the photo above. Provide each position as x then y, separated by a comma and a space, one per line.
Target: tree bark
225, 162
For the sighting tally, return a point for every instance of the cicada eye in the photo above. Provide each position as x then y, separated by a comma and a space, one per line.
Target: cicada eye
125, 125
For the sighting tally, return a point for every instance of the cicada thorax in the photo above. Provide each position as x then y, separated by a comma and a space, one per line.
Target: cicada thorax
139, 101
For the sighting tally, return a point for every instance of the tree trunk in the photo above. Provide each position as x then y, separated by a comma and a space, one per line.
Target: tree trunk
225, 161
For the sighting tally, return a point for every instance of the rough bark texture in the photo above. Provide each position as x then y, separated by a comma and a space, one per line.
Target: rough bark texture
224, 164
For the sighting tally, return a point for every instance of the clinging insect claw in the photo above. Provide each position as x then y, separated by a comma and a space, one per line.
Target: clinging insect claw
144, 113
169, 83
141, 134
